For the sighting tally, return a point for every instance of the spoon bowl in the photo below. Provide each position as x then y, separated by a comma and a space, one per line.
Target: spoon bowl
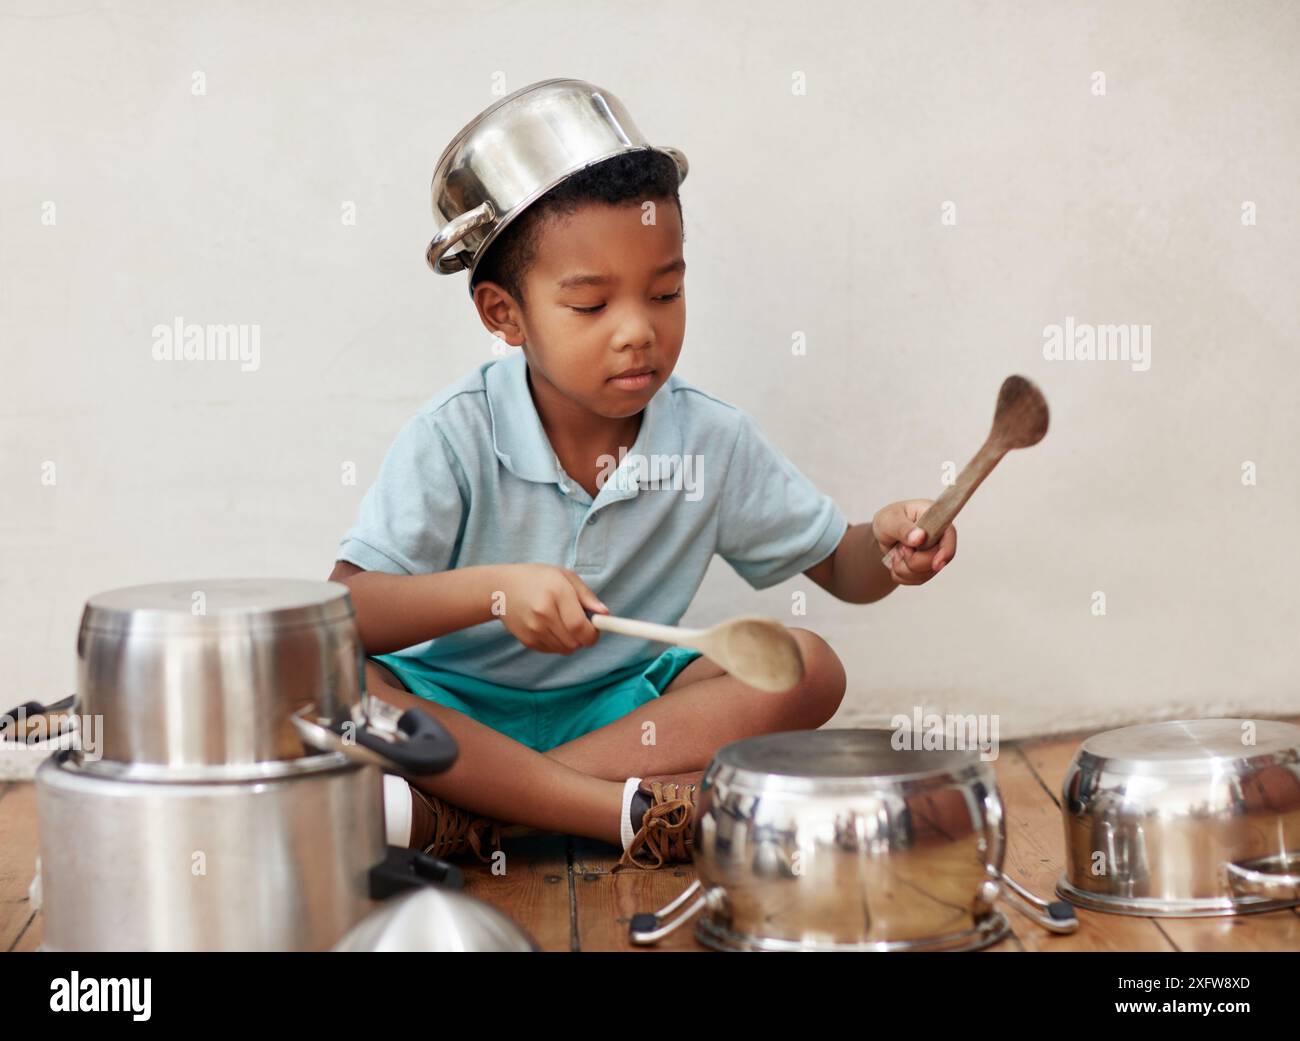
758, 651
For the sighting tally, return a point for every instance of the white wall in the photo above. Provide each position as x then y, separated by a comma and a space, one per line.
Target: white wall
817, 213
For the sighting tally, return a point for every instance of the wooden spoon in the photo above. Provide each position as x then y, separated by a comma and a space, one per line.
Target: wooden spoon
1019, 421
755, 650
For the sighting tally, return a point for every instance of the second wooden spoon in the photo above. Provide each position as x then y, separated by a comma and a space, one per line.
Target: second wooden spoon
1020, 420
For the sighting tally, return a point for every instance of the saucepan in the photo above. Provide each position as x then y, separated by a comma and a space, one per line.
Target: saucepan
833, 840
1186, 818
216, 679
517, 150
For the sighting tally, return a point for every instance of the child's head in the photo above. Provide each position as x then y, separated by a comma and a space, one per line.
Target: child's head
589, 280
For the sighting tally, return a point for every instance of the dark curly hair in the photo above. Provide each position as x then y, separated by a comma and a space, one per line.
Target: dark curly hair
627, 177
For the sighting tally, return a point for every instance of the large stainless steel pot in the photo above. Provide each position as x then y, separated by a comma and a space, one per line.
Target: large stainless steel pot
235, 803
278, 865
833, 840
517, 150
1184, 819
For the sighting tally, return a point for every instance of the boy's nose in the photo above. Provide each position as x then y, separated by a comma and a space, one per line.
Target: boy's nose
635, 332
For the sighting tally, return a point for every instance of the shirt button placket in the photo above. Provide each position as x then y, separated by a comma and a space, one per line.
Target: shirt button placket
592, 537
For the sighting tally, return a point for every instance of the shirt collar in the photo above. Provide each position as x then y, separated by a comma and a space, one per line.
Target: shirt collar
521, 443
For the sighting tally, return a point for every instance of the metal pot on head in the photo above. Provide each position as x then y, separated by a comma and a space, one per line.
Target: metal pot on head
514, 152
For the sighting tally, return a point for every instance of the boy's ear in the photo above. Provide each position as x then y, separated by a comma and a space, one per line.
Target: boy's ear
499, 312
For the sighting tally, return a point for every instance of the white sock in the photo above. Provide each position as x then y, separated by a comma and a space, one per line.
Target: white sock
625, 823
397, 810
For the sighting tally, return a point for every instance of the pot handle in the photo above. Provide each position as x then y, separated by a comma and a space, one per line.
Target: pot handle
427, 748
406, 869
455, 230
646, 929
1275, 877
35, 708
1057, 916
678, 157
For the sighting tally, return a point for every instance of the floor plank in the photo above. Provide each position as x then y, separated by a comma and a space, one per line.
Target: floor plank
530, 884
605, 901
18, 845
1271, 931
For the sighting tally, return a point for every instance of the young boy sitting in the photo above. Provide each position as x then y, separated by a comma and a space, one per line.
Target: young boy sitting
491, 532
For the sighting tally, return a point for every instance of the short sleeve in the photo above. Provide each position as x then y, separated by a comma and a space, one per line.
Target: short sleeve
411, 518
773, 521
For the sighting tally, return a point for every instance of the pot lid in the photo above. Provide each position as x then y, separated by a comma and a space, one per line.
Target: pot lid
215, 604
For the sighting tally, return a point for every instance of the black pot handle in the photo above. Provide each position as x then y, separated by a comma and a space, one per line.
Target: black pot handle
428, 748
425, 748
406, 869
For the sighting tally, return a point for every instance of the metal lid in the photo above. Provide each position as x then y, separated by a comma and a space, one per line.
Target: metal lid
856, 756
217, 604
1190, 743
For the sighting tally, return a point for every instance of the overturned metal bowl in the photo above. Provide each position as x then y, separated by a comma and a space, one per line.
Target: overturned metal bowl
836, 840
514, 152
437, 919
1184, 819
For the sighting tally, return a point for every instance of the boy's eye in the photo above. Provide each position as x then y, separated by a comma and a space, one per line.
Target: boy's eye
664, 298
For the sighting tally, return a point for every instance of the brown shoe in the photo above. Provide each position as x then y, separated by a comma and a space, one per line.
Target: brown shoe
453, 831
667, 830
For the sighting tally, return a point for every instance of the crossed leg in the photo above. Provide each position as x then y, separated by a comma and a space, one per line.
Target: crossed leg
577, 787
703, 709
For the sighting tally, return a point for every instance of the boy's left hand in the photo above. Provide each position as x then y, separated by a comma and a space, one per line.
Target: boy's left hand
894, 527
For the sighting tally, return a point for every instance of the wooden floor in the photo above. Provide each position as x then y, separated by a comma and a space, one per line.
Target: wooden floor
561, 890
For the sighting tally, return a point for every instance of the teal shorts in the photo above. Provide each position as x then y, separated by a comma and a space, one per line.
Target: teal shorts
543, 719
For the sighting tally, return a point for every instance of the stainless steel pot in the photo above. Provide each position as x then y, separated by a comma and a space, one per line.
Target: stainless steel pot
237, 805
281, 864
514, 152
1184, 819
201, 680
832, 840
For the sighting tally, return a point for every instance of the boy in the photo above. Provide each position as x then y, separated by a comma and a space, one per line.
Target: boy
491, 533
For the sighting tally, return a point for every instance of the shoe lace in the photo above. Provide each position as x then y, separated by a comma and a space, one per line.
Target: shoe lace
455, 829
666, 831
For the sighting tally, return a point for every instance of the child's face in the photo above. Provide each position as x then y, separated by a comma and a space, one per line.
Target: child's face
605, 294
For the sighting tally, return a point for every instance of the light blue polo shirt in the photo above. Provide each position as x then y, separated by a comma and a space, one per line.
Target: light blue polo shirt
472, 479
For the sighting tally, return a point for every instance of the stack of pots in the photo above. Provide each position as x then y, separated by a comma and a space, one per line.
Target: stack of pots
235, 800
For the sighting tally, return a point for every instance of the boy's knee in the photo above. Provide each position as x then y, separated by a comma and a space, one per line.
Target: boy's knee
822, 689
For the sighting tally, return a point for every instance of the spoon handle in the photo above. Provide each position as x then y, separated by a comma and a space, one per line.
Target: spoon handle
644, 630
940, 513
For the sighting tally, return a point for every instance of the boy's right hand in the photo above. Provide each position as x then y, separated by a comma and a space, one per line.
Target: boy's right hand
546, 608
